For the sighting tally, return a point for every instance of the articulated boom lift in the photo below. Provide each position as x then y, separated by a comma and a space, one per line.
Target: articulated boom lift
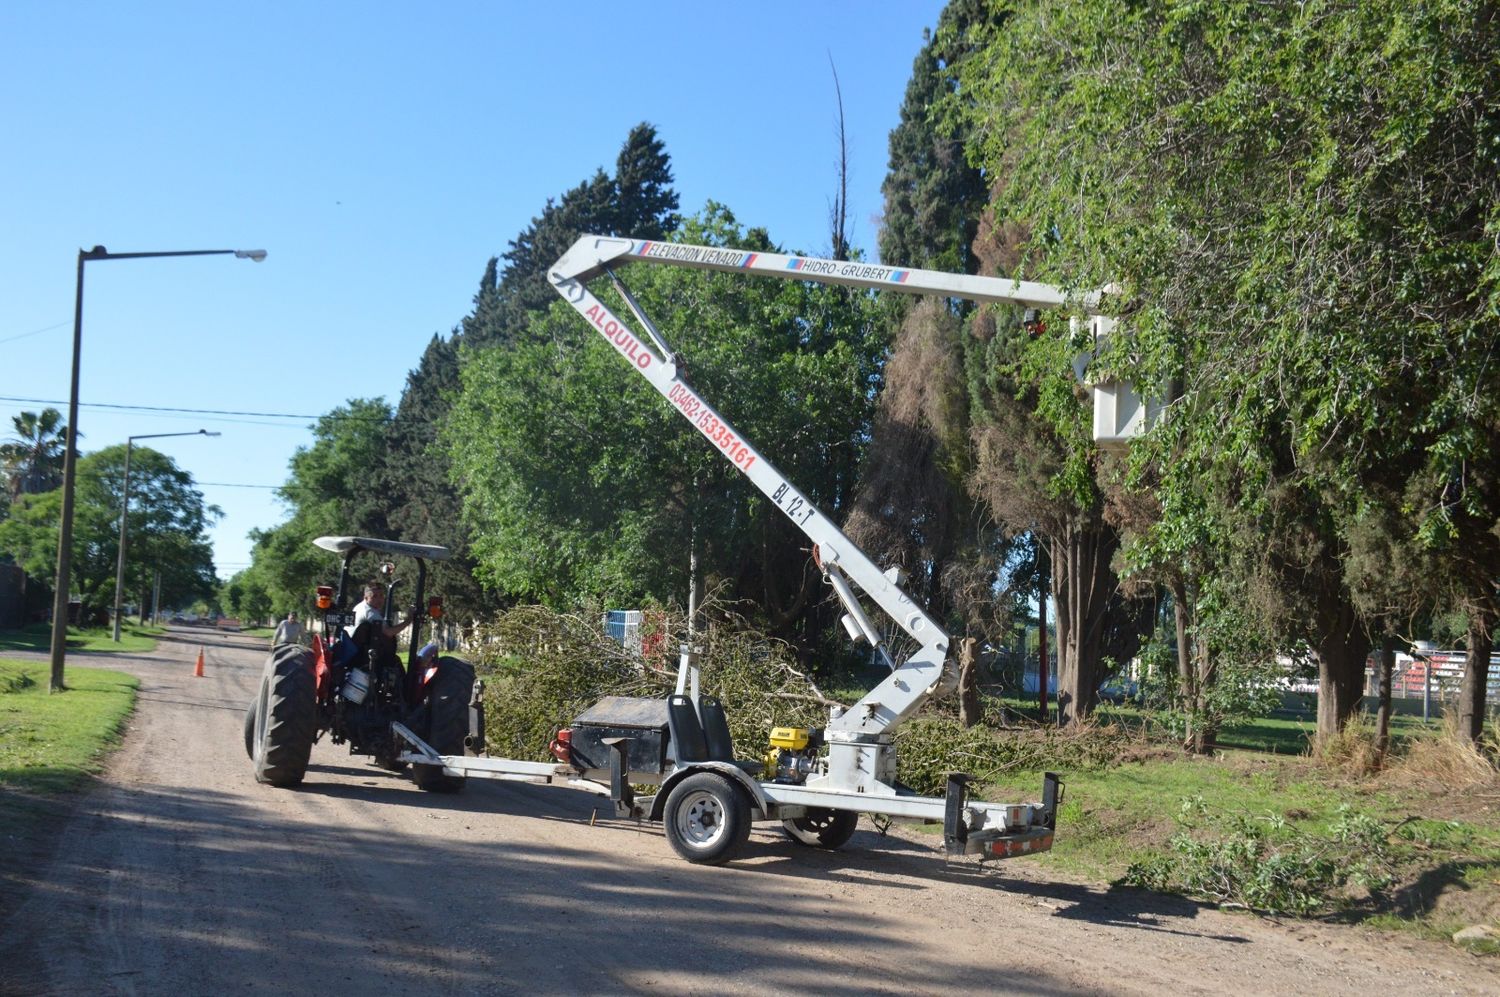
860, 770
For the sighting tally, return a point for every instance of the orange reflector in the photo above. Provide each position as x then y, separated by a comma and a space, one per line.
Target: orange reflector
1009, 848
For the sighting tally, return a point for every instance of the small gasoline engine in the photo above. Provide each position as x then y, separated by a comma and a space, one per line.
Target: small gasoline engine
794, 754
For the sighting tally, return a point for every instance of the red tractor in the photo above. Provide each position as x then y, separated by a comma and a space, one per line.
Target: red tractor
352, 684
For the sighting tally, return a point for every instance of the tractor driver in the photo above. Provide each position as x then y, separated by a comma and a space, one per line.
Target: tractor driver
372, 611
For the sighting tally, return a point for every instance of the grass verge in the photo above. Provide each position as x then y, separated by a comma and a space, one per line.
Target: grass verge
1280, 833
49, 746
38, 637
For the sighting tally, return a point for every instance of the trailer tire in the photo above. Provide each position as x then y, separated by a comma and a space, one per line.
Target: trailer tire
707, 818
286, 718
250, 712
822, 828
447, 723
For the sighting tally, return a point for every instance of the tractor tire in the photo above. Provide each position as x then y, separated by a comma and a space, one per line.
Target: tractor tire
286, 718
447, 723
707, 818
250, 713
822, 828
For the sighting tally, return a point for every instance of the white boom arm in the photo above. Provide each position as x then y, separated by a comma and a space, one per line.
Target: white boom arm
908, 686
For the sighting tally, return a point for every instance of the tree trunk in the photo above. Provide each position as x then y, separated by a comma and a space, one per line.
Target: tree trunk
1386, 666
695, 580
1082, 586
970, 711
1343, 651
1188, 699
1205, 728
1043, 677
1471, 700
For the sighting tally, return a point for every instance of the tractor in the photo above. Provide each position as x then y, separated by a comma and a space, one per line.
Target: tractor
352, 685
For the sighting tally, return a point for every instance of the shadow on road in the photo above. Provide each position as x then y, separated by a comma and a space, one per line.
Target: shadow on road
200, 890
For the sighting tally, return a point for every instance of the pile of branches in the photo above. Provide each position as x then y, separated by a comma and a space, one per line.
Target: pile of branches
542, 668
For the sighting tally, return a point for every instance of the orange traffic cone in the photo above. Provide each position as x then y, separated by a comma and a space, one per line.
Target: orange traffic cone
198, 668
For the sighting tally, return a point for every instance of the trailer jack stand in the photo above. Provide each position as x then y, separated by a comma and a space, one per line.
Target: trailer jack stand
955, 828
620, 789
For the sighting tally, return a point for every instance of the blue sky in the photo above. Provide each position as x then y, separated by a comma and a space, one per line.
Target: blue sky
380, 153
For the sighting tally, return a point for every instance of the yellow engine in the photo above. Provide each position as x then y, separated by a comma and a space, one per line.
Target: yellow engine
793, 754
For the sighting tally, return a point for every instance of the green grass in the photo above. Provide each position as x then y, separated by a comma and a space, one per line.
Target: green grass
38, 637
1447, 851
51, 743
265, 633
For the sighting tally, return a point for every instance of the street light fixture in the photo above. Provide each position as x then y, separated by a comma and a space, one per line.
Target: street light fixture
70, 454
124, 512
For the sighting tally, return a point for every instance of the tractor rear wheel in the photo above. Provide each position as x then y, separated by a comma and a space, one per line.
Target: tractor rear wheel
447, 723
286, 717
822, 828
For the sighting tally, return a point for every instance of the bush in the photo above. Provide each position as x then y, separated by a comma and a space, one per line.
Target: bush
1266, 864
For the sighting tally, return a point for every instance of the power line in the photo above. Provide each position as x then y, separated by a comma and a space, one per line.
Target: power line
34, 332
206, 411
159, 408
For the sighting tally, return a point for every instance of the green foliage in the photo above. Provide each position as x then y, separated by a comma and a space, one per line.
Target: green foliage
1267, 864
931, 747
1299, 202
933, 195
33, 458
581, 482
245, 596
332, 490
167, 529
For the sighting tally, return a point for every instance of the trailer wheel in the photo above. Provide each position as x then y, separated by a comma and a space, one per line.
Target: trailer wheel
448, 723
707, 818
250, 713
286, 718
822, 828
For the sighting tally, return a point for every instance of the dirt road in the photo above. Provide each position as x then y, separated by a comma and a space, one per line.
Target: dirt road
180, 875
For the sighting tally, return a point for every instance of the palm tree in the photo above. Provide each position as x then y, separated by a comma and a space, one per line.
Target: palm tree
33, 458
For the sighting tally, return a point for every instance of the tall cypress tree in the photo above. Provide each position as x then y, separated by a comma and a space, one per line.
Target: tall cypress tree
933, 197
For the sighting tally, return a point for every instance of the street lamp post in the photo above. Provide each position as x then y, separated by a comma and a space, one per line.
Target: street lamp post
125, 510
70, 454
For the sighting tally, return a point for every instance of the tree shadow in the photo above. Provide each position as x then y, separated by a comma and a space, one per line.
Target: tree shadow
199, 891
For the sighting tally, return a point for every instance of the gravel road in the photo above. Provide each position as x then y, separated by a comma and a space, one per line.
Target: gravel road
179, 875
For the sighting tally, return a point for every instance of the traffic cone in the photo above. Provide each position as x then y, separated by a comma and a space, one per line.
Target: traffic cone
198, 668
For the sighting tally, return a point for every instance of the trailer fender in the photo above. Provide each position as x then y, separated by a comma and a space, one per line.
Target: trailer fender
759, 804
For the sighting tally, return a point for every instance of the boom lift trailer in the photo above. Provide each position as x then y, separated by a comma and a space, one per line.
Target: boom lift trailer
706, 798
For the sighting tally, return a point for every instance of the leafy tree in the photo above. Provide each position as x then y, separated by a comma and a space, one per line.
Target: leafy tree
246, 597
417, 478
1300, 201
167, 530
33, 458
333, 490
581, 481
